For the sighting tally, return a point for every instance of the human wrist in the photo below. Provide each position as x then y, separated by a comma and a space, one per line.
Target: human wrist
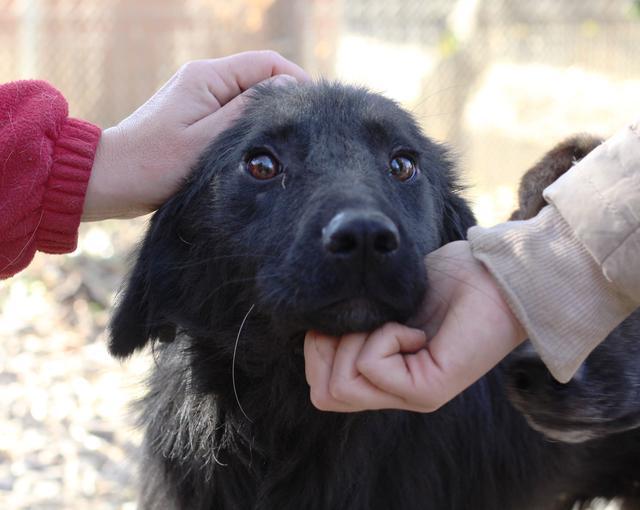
553, 285
107, 193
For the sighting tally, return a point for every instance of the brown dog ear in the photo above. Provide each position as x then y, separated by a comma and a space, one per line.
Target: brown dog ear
552, 165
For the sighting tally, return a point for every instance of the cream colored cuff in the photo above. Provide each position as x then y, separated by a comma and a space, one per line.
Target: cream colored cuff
554, 287
600, 200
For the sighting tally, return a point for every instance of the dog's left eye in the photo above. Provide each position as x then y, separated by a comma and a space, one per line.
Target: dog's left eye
403, 168
263, 166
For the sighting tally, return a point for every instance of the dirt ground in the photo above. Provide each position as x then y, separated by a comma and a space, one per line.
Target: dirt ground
66, 434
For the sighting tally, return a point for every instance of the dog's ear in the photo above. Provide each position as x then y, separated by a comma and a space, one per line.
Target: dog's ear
456, 214
142, 309
457, 218
552, 165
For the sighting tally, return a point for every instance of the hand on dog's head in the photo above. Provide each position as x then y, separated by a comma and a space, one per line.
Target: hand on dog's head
317, 207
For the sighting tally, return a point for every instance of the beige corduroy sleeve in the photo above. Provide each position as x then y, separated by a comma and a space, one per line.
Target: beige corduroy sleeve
572, 273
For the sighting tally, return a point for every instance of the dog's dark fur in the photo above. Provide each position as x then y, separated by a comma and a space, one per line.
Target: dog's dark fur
236, 270
551, 166
603, 398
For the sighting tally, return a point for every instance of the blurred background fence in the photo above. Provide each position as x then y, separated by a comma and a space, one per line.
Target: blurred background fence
500, 81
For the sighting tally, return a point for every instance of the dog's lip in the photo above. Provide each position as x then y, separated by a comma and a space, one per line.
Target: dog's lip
576, 428
353, 301
358, 297
566, 435
551, 420
579, 430
354, 313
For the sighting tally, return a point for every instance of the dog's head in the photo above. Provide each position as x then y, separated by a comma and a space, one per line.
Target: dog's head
317, 208
603, 397
551, 166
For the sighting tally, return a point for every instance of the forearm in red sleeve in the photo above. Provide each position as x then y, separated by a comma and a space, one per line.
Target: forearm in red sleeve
45, 163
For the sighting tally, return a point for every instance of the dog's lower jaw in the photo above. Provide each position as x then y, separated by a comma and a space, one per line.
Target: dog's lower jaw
349, 315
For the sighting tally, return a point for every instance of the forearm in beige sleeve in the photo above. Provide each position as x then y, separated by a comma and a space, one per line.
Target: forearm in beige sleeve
600, 200
554, 287
572, 273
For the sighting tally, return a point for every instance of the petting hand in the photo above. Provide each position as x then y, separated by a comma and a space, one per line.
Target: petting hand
142, 161
465, 329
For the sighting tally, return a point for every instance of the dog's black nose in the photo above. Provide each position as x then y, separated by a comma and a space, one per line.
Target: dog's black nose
354, 233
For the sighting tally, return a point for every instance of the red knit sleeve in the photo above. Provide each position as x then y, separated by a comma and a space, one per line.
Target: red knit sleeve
45, 163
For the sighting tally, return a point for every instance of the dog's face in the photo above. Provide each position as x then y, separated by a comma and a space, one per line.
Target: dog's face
316, 208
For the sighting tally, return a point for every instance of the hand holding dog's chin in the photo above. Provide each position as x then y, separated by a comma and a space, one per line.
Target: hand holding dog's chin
470, 328
143, 160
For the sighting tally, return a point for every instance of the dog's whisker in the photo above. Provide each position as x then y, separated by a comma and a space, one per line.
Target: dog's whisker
215, 458
184, 240
233, 363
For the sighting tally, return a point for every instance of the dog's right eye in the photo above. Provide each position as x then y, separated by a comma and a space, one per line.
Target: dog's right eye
403, 168
263, 166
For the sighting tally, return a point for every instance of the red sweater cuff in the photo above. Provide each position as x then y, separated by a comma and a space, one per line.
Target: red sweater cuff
66, 186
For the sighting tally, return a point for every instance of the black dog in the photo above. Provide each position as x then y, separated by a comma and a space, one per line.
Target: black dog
603, 398
314, 212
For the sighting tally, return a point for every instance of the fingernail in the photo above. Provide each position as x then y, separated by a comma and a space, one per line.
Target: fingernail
282, 80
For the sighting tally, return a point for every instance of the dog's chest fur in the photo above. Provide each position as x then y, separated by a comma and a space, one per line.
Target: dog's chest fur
292, 456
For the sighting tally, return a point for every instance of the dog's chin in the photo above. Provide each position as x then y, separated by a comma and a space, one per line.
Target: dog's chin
567, 430
345, 316
566, 427
573, 434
